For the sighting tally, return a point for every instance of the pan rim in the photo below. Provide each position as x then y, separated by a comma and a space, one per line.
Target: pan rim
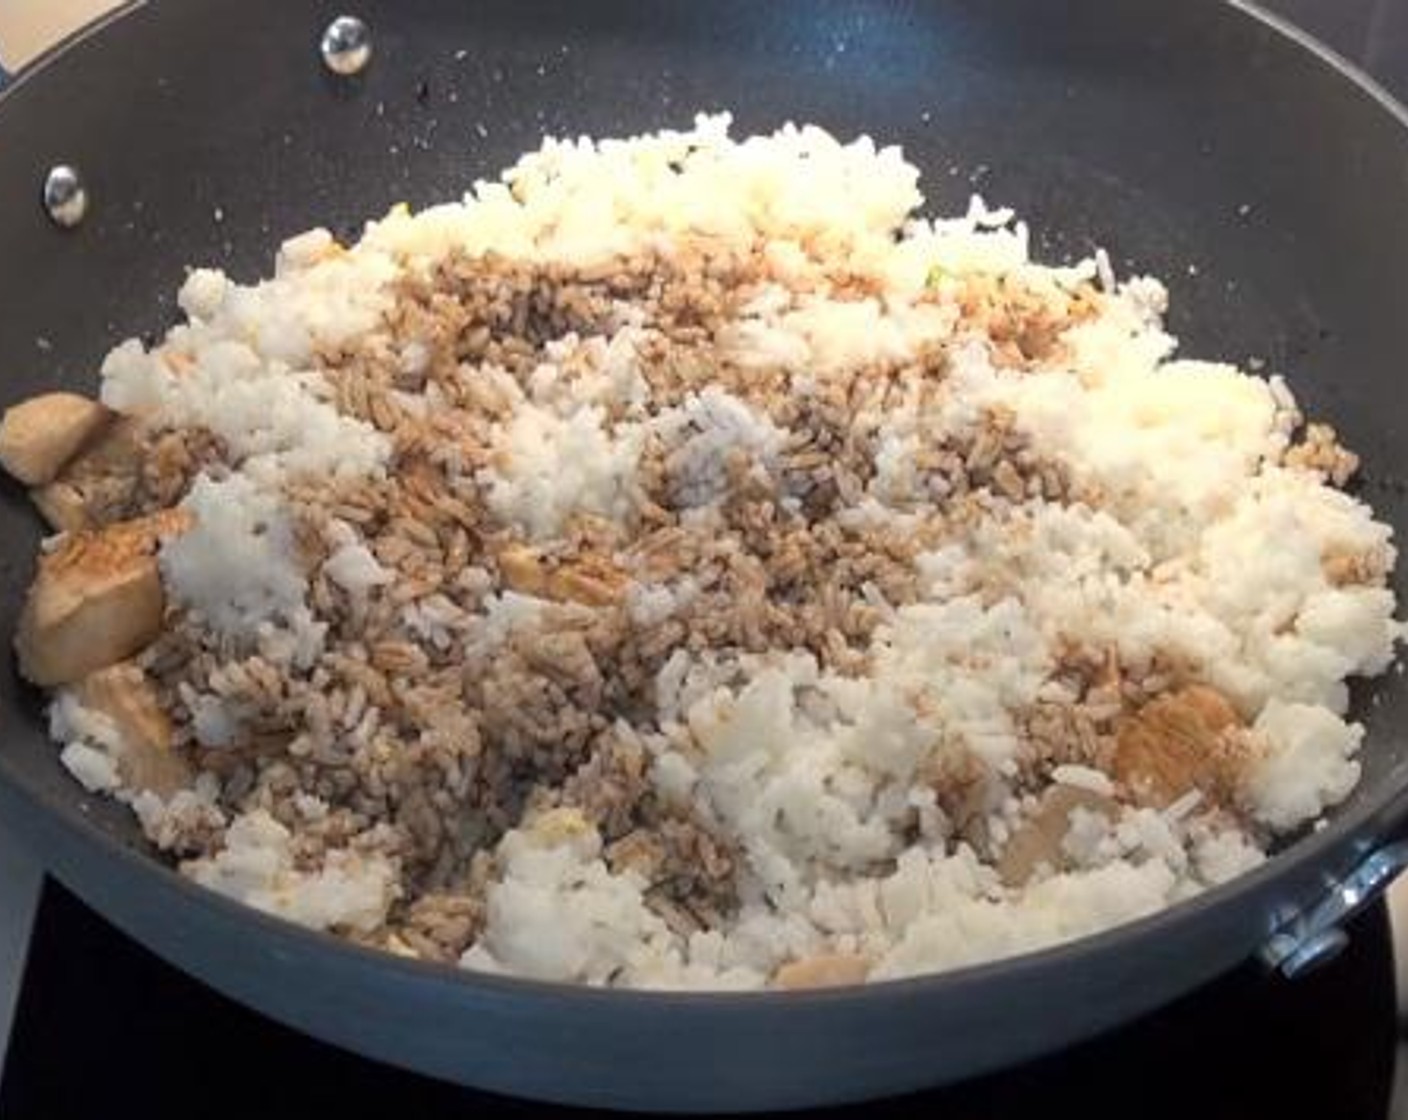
1364, 823
41, 61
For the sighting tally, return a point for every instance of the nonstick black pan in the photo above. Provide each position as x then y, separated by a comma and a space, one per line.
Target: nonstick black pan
1195, 140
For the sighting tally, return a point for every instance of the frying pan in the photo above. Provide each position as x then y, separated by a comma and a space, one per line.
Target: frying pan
1197, 141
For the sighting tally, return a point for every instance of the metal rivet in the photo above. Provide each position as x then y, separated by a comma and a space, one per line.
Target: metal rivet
65, 197
1305, 939
346, 45
1316, 950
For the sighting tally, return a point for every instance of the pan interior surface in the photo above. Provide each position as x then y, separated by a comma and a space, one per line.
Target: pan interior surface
1194, 143
1194, 146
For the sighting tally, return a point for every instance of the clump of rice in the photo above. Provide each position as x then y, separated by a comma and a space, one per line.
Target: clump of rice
1064, 480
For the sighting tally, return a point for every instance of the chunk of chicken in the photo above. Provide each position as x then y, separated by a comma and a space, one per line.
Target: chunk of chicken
98, 477
825, 970
1040, 839
1182, 741
96, 600
62, 506
590, 580
148, 760
39, 436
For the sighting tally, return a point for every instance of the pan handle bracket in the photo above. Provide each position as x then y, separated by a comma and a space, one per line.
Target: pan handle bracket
1307, 939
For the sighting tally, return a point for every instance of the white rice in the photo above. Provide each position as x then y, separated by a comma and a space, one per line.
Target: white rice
1204, 546
351, 890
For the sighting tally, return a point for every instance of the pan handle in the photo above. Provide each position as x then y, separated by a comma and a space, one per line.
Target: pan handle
1307, 939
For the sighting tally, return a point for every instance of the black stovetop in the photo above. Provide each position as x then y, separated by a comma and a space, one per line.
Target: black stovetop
102, 1021
105, 1029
